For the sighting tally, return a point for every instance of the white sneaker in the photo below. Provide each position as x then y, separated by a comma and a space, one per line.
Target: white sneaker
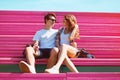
52, 70
24, 67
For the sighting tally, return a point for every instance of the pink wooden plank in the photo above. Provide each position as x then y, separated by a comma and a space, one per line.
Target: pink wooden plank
18, 54
27, 76
83, 27
84, 17
94, 76
95, 52
59, 13
76, 61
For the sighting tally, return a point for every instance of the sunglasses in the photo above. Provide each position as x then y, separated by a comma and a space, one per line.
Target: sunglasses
52, 19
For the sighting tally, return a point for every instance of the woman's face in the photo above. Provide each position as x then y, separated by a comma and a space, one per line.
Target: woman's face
65, 23
69, 21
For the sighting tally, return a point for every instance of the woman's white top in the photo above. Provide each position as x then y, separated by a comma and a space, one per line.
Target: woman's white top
64, 38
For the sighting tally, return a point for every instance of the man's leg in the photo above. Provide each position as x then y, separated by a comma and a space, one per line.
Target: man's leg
30, 56
55, 68
53, 57
30, 66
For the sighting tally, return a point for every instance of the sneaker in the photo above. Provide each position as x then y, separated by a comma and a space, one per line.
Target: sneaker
24, 67
52, 70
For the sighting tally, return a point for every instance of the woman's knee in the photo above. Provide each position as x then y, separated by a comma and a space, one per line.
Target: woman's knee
64, 46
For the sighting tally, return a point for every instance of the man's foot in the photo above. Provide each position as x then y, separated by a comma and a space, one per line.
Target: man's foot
52, 70
24, 67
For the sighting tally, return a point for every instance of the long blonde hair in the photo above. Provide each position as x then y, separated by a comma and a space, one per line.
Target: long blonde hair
71, 22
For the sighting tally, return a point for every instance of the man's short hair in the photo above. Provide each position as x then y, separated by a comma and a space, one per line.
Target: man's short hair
47, 16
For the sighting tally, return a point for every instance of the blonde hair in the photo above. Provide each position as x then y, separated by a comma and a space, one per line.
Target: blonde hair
71, 21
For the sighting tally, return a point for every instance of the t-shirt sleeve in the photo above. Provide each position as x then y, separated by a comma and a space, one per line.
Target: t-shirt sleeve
36, 36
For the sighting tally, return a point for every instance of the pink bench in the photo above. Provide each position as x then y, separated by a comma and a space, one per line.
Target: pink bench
26, 76
62, 76
99, 32
94, 76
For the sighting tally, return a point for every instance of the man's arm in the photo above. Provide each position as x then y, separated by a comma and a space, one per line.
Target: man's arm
36, 45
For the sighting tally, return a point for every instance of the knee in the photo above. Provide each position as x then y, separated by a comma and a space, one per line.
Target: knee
29, 50
54, 51
64, 46
74, 44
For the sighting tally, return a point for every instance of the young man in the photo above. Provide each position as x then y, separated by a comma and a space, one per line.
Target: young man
44, 41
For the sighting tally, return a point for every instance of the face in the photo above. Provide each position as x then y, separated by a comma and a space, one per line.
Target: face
51, 20
69, 21
65, 23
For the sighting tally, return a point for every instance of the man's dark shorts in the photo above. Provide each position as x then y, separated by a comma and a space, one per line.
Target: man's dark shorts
44, 53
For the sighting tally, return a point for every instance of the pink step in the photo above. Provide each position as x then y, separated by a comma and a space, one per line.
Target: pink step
94, 76
83, 17
28, 76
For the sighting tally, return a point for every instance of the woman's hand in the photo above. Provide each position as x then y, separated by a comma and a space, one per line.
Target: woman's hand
76, 26
72, 36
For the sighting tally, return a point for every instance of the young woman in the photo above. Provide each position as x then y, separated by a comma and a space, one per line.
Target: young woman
66, 45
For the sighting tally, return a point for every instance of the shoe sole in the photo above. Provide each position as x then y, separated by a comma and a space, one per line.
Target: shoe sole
24, 67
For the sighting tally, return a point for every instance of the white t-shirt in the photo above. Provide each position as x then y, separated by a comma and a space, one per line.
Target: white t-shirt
64, 38
46, 38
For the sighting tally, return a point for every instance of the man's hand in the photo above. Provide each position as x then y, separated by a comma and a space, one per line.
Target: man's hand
36, 47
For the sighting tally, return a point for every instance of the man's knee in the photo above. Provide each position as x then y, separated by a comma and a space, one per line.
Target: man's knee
29, 50
54, 51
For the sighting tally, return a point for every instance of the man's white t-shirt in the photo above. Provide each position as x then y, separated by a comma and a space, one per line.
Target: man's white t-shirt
46, 38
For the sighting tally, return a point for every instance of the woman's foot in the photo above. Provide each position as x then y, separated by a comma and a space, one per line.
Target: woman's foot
52, 70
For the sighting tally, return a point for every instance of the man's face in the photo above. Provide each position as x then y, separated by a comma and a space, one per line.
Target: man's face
51, 20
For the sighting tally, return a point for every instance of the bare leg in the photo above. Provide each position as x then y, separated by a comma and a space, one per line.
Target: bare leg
62, 56
74, 44
65, 51
70, 65
53, 57
30, 56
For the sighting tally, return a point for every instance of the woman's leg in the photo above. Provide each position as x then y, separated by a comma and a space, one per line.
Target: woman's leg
65, 50
70, 64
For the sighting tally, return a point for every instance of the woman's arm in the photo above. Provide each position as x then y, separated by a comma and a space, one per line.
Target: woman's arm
72, 36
